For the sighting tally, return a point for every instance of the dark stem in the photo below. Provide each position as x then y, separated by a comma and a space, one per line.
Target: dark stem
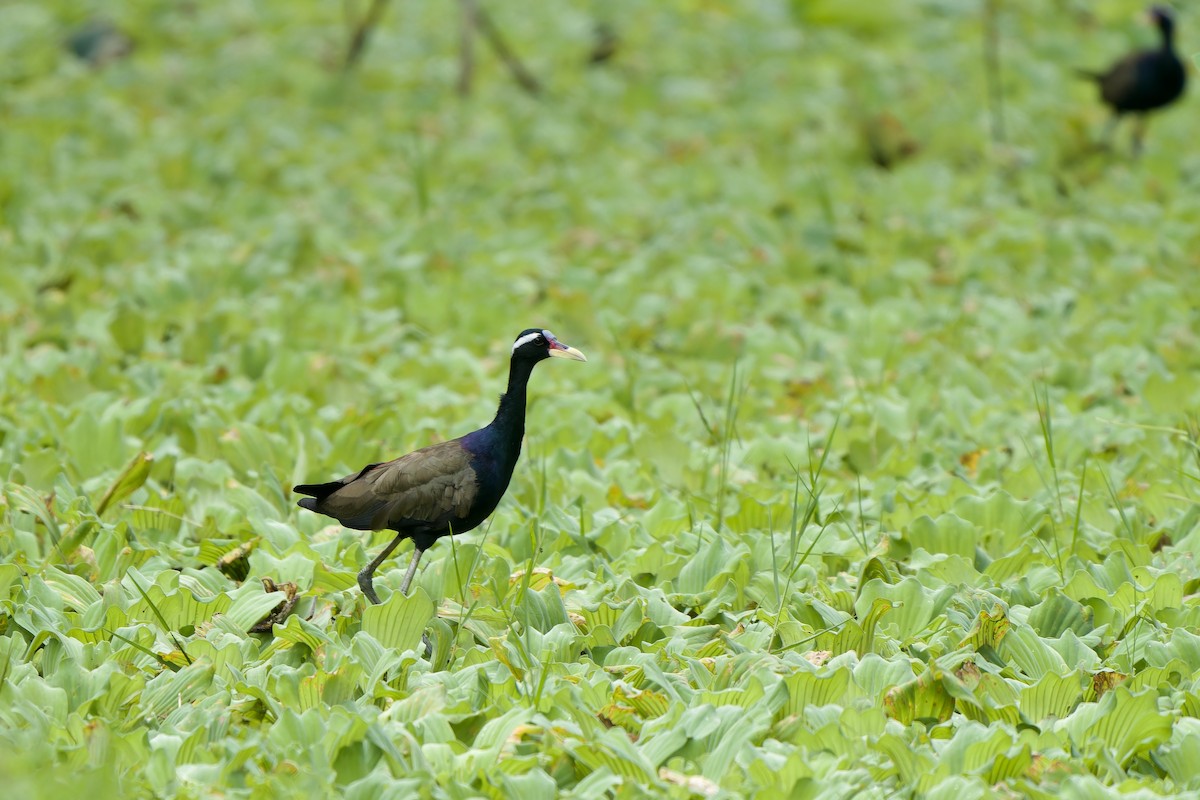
362, 31
991, 67
466, 48
490, 32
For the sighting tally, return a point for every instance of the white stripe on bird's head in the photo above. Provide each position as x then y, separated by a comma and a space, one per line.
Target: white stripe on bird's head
531, 337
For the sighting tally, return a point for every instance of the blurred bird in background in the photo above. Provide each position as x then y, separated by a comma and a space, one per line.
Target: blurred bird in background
99, 42
1143, 81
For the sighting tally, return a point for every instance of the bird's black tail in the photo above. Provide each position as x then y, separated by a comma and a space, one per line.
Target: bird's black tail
317, 490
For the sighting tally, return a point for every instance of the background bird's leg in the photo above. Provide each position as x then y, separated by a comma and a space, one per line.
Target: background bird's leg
366, 576
412, 570
487, 27
361, 32
1139, 134
1110, 127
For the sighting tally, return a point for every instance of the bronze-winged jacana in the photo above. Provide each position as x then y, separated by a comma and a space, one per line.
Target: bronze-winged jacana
1143, 81
446, 488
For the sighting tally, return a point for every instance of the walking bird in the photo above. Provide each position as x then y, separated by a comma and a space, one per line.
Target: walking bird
1143, 81
446, 488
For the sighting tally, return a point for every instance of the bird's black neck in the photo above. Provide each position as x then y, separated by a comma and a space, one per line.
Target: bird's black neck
509, 423
1168, 37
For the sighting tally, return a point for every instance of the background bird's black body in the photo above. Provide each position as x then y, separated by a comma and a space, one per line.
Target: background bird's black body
446, 488
1142, 82
99, 42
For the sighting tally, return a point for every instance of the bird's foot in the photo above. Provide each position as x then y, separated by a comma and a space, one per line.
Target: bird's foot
427, 643
365, 583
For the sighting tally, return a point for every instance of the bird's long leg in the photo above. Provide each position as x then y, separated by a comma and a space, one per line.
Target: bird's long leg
367, 575
1139, 134
362, 30
412, 570
426, 642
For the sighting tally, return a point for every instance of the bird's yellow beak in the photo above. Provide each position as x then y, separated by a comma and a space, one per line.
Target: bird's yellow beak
560, 350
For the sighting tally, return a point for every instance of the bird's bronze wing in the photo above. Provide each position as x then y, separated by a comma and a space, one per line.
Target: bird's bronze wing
434, 485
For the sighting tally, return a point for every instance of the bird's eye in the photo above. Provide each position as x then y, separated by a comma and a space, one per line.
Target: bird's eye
541, 340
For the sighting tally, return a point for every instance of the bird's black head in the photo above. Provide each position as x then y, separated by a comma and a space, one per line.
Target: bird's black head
1164, 18
536, 344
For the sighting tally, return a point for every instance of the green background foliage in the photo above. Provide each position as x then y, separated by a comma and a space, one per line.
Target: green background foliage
878, 483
